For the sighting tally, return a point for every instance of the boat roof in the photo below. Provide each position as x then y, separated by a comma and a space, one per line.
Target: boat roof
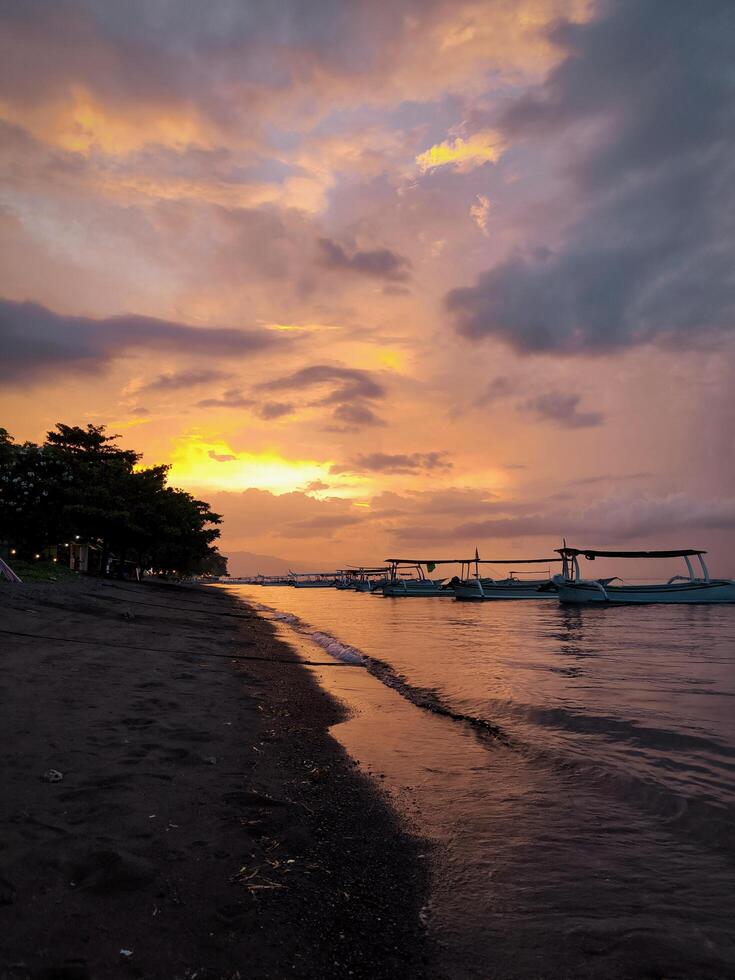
360, 568
682, 553
470, 561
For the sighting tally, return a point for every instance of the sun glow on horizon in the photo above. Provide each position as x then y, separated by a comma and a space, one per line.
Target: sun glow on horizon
200, 462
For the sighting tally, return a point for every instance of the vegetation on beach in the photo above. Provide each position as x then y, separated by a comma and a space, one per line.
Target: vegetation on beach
80, 486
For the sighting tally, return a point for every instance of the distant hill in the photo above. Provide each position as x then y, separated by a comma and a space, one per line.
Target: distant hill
248, 563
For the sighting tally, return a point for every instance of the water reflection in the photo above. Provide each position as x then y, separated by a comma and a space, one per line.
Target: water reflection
596, 841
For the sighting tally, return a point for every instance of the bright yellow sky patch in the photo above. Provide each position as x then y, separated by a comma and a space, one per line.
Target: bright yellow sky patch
200, 462
463, 154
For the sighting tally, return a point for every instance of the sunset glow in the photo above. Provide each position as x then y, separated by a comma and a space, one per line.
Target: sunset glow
198, 463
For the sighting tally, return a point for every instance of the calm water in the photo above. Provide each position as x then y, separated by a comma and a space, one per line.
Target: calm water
575, 769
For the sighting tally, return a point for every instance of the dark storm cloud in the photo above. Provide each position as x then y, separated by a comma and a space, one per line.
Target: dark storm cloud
35, 342
555, 406
646, 98
199, 53
379, 263
394, 463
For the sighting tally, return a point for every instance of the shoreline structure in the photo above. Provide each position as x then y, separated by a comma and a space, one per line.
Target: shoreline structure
207, 824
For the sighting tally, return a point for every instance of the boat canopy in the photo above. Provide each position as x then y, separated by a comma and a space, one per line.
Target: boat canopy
361, 570
470, 561
591, 555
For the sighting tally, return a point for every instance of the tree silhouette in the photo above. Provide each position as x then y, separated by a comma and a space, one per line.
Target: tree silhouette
81, 485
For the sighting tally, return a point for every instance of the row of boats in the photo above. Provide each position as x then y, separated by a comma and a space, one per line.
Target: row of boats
405, 577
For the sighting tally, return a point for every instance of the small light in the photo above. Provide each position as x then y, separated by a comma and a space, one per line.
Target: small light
76, 537
55, 559
36, 556
66, 545
12, 551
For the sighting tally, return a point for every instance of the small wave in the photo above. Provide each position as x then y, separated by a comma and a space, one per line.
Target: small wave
340, 651
701, 819
425, 698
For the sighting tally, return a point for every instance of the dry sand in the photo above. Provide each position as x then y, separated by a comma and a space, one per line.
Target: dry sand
207, 825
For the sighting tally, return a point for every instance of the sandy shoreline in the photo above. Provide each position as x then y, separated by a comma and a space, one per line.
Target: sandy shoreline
206, 822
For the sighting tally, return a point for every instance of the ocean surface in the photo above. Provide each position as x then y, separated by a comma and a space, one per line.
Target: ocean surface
573, 769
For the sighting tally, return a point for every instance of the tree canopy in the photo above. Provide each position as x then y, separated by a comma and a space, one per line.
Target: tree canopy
80, 485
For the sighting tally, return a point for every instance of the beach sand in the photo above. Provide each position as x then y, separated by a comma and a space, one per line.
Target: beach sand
206, 825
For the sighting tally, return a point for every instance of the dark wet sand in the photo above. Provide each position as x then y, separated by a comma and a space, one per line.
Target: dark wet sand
206, 821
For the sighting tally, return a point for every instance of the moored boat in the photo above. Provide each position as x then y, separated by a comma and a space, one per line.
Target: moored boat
689, 588
313, 580
409, 577
479, 589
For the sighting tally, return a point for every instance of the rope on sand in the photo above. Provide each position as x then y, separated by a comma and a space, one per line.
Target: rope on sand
203, 656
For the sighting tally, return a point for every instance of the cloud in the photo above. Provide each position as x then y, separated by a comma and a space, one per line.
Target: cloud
350, 388
613, 519
315, 485
462, 154
350, 383
480, 211
452, 501
356, 415
259, 514
499, 387
274, 410
221, 457
640, 114
184, 379
36, 342
555, 406
232, 398
323, 525
394, 463
380, 263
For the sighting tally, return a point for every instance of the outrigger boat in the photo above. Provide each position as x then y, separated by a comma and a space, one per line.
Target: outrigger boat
370, 579
679, 588
272, 580
313, 580
407, 577
479, 589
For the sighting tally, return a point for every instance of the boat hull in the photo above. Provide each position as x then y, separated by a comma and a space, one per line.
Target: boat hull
313, 585
403, 589
471, 592
587, 593
369, 586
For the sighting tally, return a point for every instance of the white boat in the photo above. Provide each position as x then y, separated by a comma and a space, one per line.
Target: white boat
480, 589
691, 588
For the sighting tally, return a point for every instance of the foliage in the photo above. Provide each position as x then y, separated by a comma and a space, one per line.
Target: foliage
42, 571
79, 485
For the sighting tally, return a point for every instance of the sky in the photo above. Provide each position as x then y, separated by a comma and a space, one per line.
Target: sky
383, 278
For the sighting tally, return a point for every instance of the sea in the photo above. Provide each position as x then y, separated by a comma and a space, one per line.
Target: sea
572, 771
